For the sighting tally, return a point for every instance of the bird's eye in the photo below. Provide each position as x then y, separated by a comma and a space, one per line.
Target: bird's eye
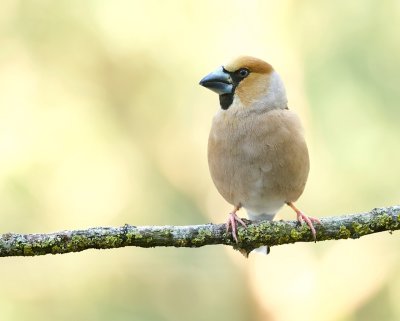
243, 72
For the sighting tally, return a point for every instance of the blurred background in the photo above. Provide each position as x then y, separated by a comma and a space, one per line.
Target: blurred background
102, 122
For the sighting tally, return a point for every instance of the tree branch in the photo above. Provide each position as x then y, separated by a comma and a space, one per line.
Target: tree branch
255, 235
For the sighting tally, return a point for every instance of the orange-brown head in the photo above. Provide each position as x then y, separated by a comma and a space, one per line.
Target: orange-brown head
247, 81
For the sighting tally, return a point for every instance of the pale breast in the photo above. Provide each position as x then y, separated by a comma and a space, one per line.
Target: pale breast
258, 160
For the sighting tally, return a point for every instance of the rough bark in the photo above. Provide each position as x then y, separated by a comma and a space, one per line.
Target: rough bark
255, 235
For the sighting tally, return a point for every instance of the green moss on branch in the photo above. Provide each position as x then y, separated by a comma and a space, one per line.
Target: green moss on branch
255, 235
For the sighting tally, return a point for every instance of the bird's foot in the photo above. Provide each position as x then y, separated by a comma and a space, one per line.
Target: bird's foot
232, 223
301, 217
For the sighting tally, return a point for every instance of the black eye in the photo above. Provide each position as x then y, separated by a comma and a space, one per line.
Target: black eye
243, 72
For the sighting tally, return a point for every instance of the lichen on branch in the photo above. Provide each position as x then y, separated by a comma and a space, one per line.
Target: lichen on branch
255, 235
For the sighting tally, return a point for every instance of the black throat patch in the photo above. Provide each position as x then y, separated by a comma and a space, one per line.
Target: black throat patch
226, 100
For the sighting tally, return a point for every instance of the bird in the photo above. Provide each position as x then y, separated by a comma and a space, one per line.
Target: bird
257, 154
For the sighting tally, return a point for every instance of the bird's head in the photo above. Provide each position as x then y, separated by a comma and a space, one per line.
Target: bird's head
249, 83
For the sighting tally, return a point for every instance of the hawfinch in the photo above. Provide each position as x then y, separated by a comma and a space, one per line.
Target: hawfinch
257, 154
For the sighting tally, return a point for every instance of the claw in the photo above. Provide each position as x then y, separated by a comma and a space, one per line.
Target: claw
232, 223
301, 217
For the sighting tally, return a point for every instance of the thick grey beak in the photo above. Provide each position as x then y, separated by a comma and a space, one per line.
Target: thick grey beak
218, 81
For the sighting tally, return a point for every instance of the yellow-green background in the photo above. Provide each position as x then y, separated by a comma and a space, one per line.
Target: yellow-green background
102, 122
